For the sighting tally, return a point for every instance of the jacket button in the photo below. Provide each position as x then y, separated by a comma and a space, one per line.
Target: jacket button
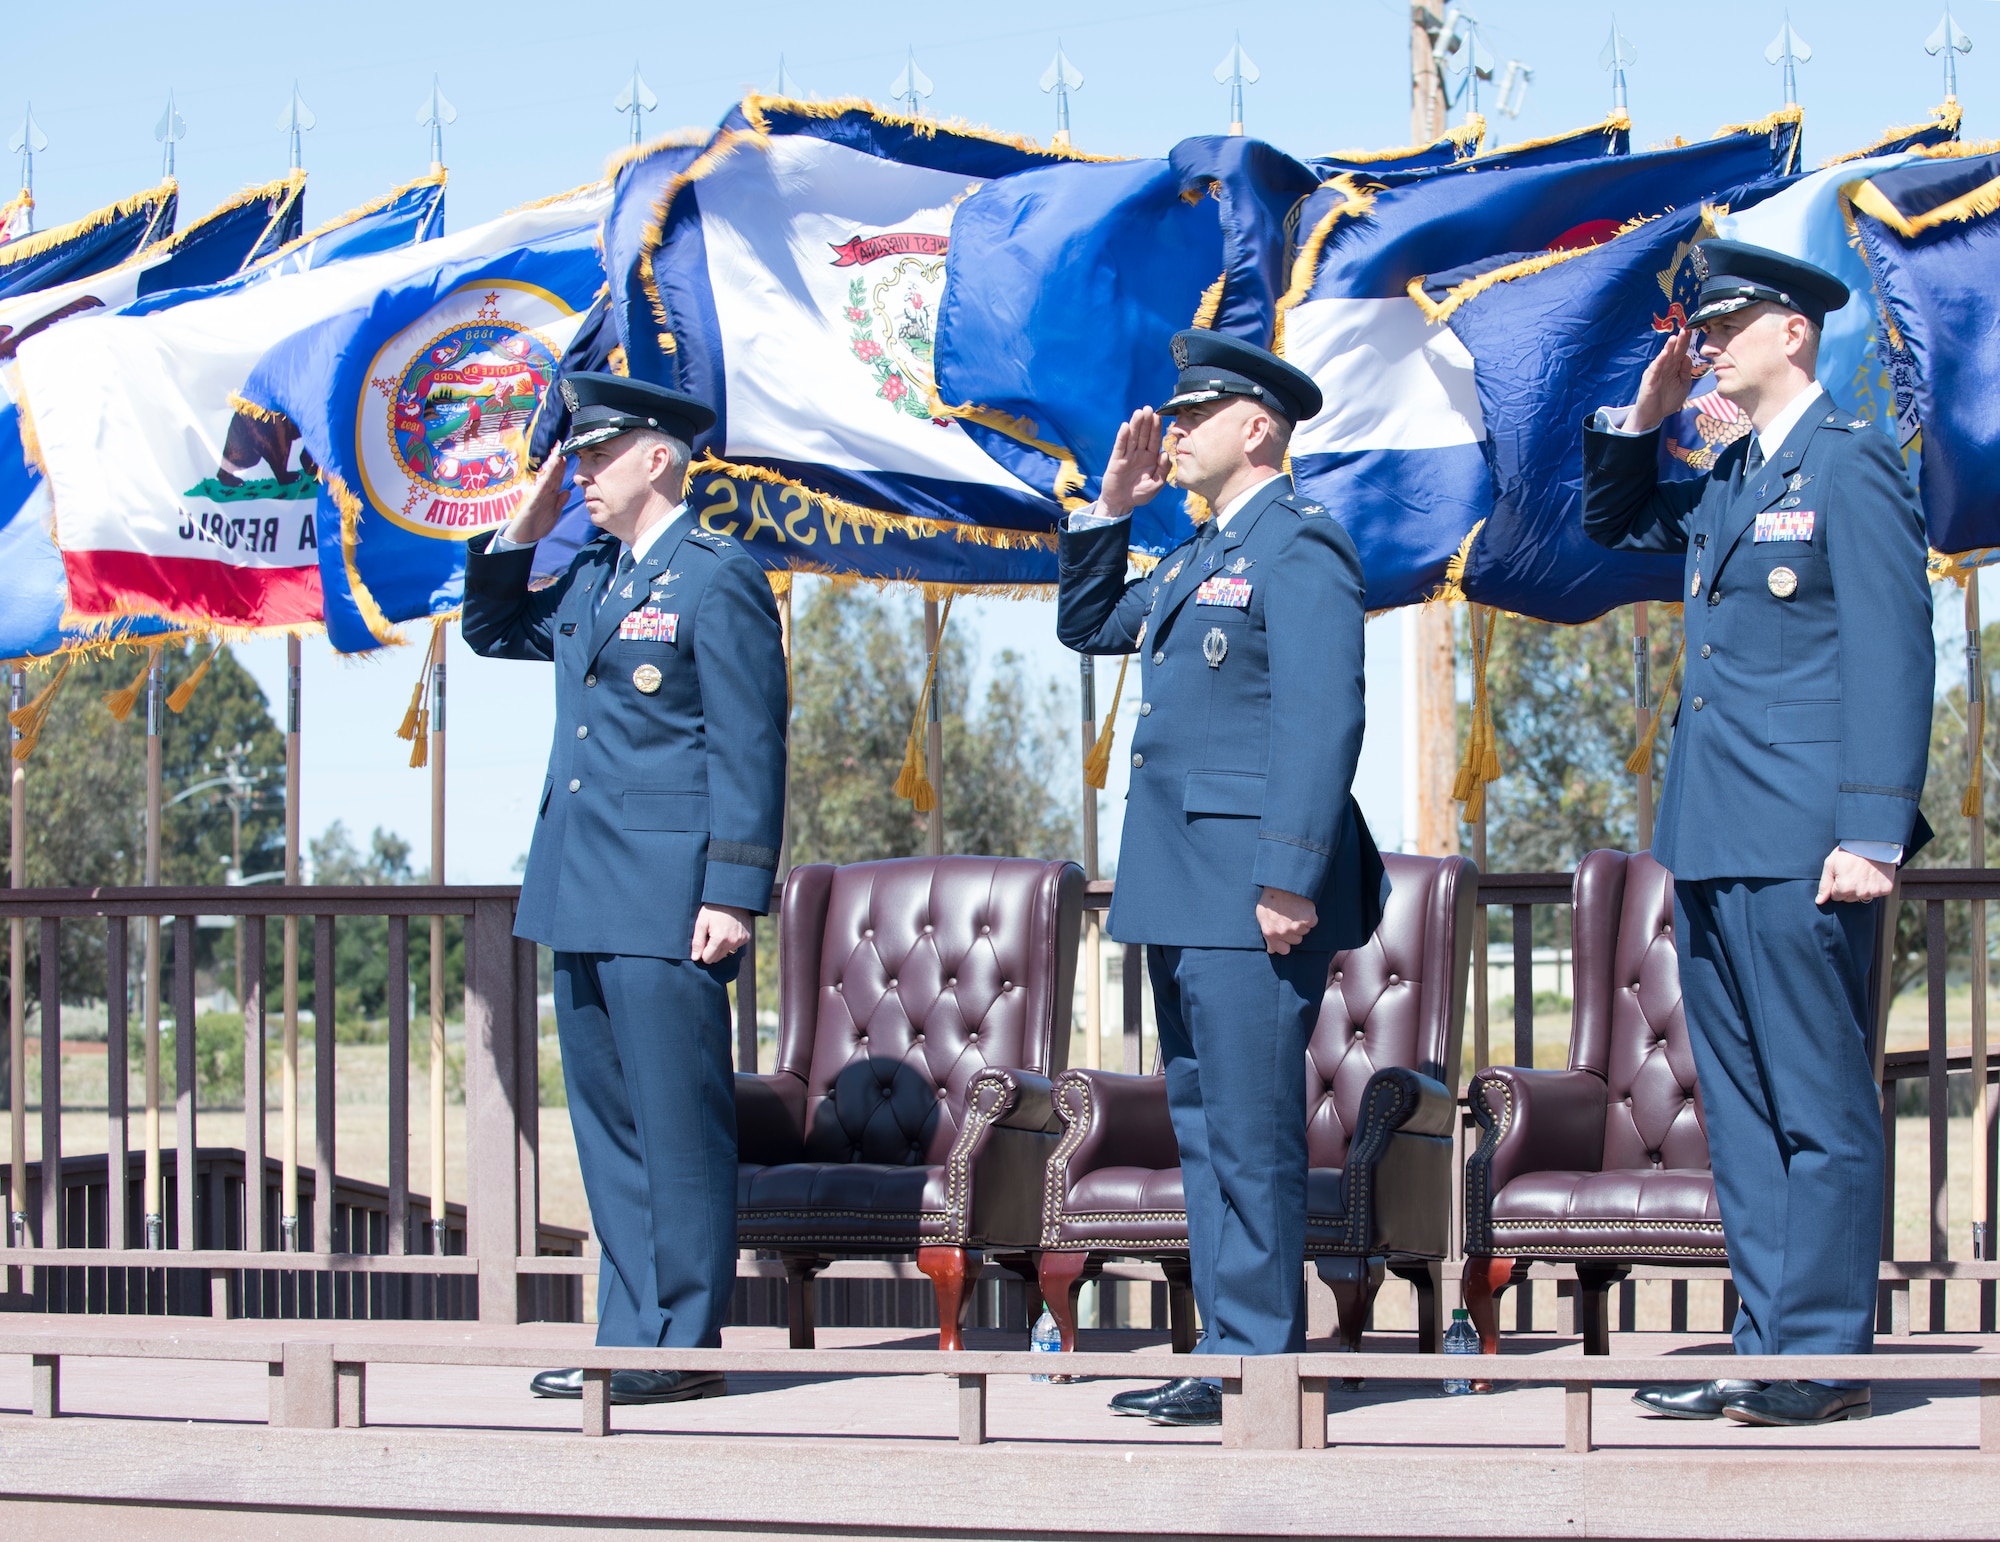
1145, 709
1715, 597
590, 679
1138, 761
1697, 704
575, 785
1159, 655
583, 730
1706, 650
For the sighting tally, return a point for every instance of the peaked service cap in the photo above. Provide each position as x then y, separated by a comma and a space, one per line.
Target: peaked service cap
602, 407
1214, 365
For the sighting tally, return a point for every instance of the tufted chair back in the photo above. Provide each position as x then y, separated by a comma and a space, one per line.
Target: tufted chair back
903, 979
1629, 1027
1397, 1000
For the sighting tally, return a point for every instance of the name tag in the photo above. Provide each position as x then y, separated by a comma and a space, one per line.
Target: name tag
1784, 525
649, 624
1233, 592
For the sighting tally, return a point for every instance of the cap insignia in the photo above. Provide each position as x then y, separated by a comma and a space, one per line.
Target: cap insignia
1698, 260
1180, 352
568, 395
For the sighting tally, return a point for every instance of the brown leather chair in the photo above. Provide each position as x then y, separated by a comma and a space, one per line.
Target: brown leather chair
1604, 1164
1381, 1099
923, 1005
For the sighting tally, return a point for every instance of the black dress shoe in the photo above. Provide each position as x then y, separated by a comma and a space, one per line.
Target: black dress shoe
1790, 1403
1699, 1400
666, 1386
1141, 1401
567, 1383
1189, 1402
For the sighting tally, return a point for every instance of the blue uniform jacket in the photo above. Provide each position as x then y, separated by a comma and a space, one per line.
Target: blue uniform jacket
1805, 715
656, 801
1242, 770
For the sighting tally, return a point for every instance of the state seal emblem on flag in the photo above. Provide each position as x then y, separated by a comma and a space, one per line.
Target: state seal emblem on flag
892, 312
443, 421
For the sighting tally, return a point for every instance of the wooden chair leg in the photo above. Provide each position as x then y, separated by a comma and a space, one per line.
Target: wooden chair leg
1180, 1304
1354, 1283
1593, 1305
1061, 1277
799, 1272
1427, 1280
949, 1270
1483, 1280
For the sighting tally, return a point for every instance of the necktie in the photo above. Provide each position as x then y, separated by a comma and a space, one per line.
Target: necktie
1754, 461
625, 565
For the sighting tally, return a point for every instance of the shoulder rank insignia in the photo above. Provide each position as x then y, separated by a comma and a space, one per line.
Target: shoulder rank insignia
1312, 508
710, 537
1860, 423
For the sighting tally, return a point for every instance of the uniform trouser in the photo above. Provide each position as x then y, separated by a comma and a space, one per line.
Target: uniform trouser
1233, 1029
645, 1049
1776, 993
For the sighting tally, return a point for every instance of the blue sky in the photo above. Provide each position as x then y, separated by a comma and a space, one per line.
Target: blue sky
533, 86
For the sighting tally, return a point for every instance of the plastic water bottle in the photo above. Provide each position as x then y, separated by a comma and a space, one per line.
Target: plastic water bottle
1045, 1340
1461, 1338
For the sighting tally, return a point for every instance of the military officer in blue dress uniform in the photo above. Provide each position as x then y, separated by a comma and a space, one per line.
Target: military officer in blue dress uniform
656, 841
1790, 797
1245, 862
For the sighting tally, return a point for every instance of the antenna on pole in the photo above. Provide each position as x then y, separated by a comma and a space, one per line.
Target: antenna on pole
1062, 77
1790, 50
434, 115
1236, 71
294, 122
1616, 55
168, 132
1951, 41
1514, 88
911, 86
635, 99
784, 85
28, 141
1460, 52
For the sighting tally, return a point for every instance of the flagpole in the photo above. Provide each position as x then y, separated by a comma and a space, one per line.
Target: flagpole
1975, 745
322, 990
934, 730
438, 1213
1093, 944
17, 987
1642, 701
156, 1233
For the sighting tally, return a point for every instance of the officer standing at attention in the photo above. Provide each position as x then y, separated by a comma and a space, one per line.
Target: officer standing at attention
655, 843
1245, 863
1790, 798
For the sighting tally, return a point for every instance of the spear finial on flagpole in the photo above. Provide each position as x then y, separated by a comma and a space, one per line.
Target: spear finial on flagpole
434, 115
1790, 50
168, 132
1062, 77
635, 99
1617, 53
911, 86
294, 122
28, 140
784, 85
1460, 51
1236, 71
1951, 41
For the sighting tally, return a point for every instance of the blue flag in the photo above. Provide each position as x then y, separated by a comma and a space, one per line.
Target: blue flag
1933, 242
1400, 452
89, 245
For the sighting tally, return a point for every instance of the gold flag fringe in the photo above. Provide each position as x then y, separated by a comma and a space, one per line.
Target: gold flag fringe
1791, 113
1437, 311
1211, 302
911, 782
120, 703
341, 221
1097, 764
28, 720
674, 139
379, 626
1069, 476
1640, 761
1946, 116
42, 240
1452, 590
183, 693
1976, 204
757, 107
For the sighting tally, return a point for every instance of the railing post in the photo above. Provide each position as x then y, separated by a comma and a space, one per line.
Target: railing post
1936, 959
254, 1123
45, 1390
1576, 1417
972, 1410
184, 1079
596, 1409
492, 1109
325, 1015
118, 1134
528, 1107
399, 1088
1261, 1411
746, 1005
1132, 973
52, 1183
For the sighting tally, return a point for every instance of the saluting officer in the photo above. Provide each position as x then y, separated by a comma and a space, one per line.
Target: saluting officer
1245, 862
1790, 797
655, 843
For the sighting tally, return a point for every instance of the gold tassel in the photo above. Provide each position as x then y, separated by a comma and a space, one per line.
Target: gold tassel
183, 693
1097, 764
1481, 762
121, 703
413, 719
29, 719
420, 742
1973, 804
416, 721
1640, 761
912, 783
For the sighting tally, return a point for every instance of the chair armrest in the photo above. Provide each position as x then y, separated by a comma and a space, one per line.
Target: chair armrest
1111, 1119
770, 1118
1013, 1100
993, 1175
1397, 1181
1534, 1122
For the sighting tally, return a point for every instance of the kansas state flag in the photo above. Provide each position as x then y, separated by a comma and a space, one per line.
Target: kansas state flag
415, 401
1399, 453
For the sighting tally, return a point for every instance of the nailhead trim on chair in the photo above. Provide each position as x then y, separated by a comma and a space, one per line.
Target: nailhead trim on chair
1055, 1177
958, 1166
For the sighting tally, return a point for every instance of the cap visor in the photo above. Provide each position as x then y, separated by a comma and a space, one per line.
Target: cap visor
1730, 307
586, 439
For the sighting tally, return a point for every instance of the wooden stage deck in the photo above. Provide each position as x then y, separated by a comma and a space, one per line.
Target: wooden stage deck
174, 1448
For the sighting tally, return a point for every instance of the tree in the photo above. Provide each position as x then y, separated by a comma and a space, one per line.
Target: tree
361, 943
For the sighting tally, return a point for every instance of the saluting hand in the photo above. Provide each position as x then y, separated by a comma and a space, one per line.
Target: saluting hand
540, 510
1668, 379
719, 930
1138, 466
